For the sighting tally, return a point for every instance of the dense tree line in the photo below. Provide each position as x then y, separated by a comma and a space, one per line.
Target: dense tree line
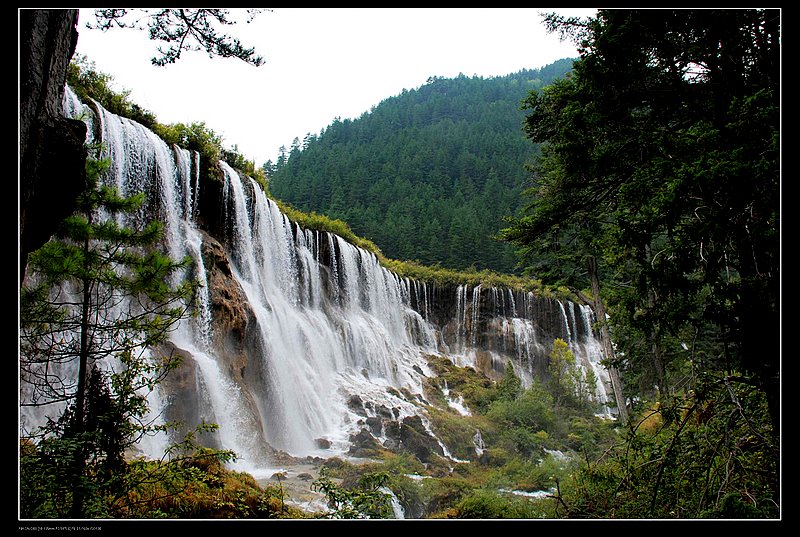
427, 175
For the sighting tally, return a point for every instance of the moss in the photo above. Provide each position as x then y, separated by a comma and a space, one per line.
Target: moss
456, 432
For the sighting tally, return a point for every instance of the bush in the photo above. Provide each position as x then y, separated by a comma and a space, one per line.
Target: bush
88, 83
710, 453
487, 504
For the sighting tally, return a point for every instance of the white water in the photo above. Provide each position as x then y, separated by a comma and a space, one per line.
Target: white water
318, 349
324, 332
140, 162
522, 340
456, 403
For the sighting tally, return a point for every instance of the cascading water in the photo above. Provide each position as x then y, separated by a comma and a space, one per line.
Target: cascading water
327, 322
593, 355
520, 330
318, 348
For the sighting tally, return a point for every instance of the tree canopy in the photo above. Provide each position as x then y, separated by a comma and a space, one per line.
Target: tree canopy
659, 185
660, 156
182, 29
98, 300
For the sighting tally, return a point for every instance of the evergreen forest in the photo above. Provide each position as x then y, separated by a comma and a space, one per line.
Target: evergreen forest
427, 175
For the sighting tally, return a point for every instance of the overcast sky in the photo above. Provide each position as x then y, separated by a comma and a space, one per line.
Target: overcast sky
321, 63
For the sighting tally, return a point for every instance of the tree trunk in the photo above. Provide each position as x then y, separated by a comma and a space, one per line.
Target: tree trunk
79, 461
605, 340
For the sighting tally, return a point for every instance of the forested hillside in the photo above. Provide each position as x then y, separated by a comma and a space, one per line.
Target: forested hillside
427, 175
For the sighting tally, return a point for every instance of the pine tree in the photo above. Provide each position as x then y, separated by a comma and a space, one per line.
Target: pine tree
97, 301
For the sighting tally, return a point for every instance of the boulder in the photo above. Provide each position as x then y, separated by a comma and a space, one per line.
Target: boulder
363, 444
415, 439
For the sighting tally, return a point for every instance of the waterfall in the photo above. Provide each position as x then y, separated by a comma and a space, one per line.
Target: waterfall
476, 306
139, 162
477, 441
326, 321
317, 348
524, 334
592, 355
398, 512
567, 331
456, 403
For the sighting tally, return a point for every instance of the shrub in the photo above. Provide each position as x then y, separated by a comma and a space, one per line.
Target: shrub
488, 504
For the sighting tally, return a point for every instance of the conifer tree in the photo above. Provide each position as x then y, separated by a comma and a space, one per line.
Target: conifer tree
182, 29
98, 300
660, 175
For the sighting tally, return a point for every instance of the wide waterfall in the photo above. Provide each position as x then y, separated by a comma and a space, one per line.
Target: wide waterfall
317, 346
320, 323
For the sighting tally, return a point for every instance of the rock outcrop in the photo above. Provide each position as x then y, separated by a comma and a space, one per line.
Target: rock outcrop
52, 153
231, 312
233, 340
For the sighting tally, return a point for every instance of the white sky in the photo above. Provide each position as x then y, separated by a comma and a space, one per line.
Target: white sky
321, 63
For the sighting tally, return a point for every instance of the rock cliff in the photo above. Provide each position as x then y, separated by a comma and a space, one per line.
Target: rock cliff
51, 151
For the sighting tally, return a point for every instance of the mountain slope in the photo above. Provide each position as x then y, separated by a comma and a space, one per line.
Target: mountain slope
427, 175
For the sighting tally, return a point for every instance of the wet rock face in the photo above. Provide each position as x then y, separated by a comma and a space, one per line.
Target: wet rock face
384, 429
230, 309
363, 444
415, 439
52, 153
212, 215
47, 43
54, 177
182, 409
235, 343
234, 326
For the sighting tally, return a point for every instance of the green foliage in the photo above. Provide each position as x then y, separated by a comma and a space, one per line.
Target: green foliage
96, 300
88, 83
470, 277
528, 446
510, 386
456, 432
477, 390
200, 487
569, 381
366, 500
195, 137
182, 30
414, 270
100, 262
522, 422
562, 369
489, 504
708, 454
321, 222
190, 485
531, 475
660, 162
